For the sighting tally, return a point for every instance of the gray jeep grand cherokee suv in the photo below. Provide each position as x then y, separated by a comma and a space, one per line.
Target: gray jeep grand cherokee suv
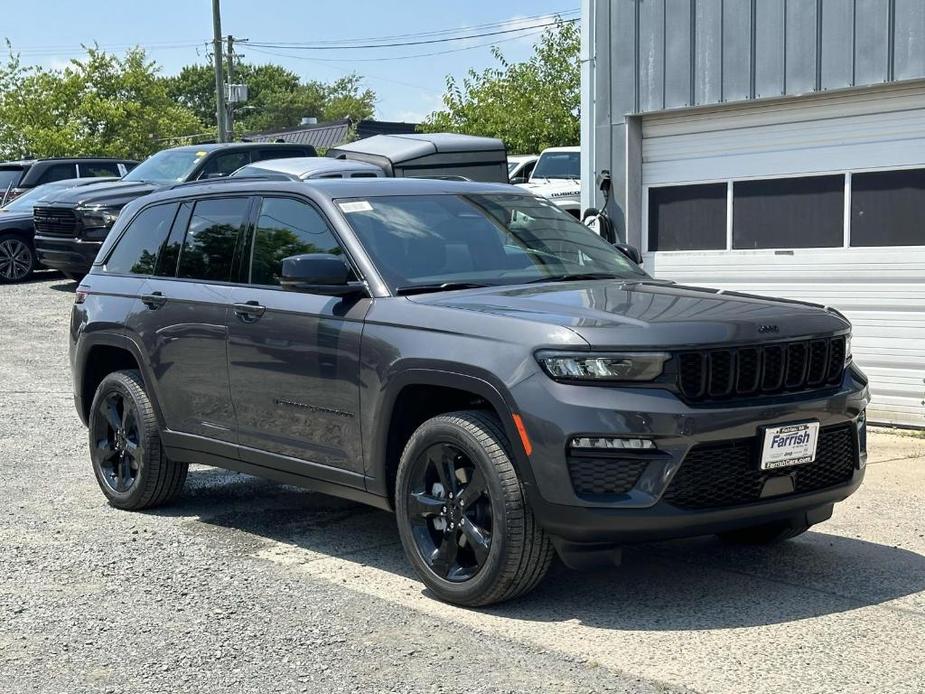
467, 355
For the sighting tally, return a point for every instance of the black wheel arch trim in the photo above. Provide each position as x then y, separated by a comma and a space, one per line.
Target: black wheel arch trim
87, 343
457, 376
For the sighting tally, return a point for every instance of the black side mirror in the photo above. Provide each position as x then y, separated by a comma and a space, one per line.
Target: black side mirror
630, 252
518, 179
319, 273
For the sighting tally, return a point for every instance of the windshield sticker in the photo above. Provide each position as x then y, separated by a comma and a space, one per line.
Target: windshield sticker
356, 206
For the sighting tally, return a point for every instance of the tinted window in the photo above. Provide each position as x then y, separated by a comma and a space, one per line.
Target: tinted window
211, 238
136, 252
57, 172
9, 178
225, 164
287, 227
91, 170
687, 218
887, 208
789, 213
282, 153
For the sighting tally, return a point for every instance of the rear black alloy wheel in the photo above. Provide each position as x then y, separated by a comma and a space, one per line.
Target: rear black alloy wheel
450, 512
116, 451
125, 446
464, 520
17, 260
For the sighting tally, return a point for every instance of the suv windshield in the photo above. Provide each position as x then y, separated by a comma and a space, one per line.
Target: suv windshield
558, 165
168, 166
433, 242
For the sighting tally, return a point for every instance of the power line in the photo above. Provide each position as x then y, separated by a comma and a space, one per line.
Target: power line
442, 32
305, 47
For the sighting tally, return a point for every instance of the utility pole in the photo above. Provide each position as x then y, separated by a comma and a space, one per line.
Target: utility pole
219, 80
231, 104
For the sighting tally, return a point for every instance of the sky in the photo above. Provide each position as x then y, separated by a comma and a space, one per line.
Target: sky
174, 32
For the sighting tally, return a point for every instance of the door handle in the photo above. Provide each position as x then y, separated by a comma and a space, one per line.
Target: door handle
249, 311
154, 300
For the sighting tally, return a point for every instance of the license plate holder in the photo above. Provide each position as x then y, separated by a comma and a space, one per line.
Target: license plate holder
789, 445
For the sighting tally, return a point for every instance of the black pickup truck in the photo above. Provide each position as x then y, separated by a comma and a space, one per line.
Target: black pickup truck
70, 228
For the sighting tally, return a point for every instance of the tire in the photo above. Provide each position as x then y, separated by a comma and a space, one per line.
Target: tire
125, 446
768, 534
488, 504
17, 259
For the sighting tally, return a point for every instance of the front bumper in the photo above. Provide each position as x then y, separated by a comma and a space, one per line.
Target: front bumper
553, 413
71, 255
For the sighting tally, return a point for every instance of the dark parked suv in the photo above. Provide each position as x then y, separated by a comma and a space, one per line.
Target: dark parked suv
466, 354
70, 228
16, 177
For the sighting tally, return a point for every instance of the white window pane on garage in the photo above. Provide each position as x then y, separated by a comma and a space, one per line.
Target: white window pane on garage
888, 208
807, 212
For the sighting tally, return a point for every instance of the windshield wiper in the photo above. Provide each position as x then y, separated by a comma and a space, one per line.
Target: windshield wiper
576, 276
442, 287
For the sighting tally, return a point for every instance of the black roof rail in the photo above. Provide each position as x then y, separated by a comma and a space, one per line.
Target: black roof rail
231, 179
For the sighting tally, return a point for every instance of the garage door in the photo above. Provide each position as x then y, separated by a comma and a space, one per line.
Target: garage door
819, 199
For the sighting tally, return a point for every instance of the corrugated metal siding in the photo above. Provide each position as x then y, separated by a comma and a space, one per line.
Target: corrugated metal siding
881, 290
688, 52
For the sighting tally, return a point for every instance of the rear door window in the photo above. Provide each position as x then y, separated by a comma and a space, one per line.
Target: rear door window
137, 250
57, 172
10, 177
212, 238
94, 169
280, 153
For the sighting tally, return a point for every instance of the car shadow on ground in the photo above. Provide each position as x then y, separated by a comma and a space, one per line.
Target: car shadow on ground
691, 584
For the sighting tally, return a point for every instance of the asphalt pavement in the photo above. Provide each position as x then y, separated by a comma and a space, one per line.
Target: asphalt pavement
249, 586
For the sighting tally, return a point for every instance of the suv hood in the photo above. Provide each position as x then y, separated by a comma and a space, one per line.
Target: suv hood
115, 193
617, 314
554, 188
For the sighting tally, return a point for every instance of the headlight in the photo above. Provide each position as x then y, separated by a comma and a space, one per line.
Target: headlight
620, 366
97, 217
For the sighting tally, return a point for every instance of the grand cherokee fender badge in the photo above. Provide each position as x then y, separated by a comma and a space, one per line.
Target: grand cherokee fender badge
768, 328
311, 408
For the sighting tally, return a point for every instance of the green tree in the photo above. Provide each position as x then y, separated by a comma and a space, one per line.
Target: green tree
277, 97
530, 105
102, 105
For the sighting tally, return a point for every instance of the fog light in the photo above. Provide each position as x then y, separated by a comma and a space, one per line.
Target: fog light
610, 442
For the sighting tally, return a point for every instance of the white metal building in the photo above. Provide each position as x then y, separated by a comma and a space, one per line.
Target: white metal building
776, 147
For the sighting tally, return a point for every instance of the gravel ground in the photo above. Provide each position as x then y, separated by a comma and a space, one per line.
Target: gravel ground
248, 586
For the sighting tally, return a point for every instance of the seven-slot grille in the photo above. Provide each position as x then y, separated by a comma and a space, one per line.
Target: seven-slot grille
723, 374
728, 474
54, 221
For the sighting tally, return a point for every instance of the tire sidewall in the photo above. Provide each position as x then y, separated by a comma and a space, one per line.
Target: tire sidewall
148, 440
441, 430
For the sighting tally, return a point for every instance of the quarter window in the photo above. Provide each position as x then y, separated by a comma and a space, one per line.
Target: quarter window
211, 238
58, 172
886, 208
287, 227
804, 212
136, 252
687, 218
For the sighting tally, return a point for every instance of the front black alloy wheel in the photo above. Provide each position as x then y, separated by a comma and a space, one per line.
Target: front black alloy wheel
449, 508
125, 446
17, 259
464, 520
